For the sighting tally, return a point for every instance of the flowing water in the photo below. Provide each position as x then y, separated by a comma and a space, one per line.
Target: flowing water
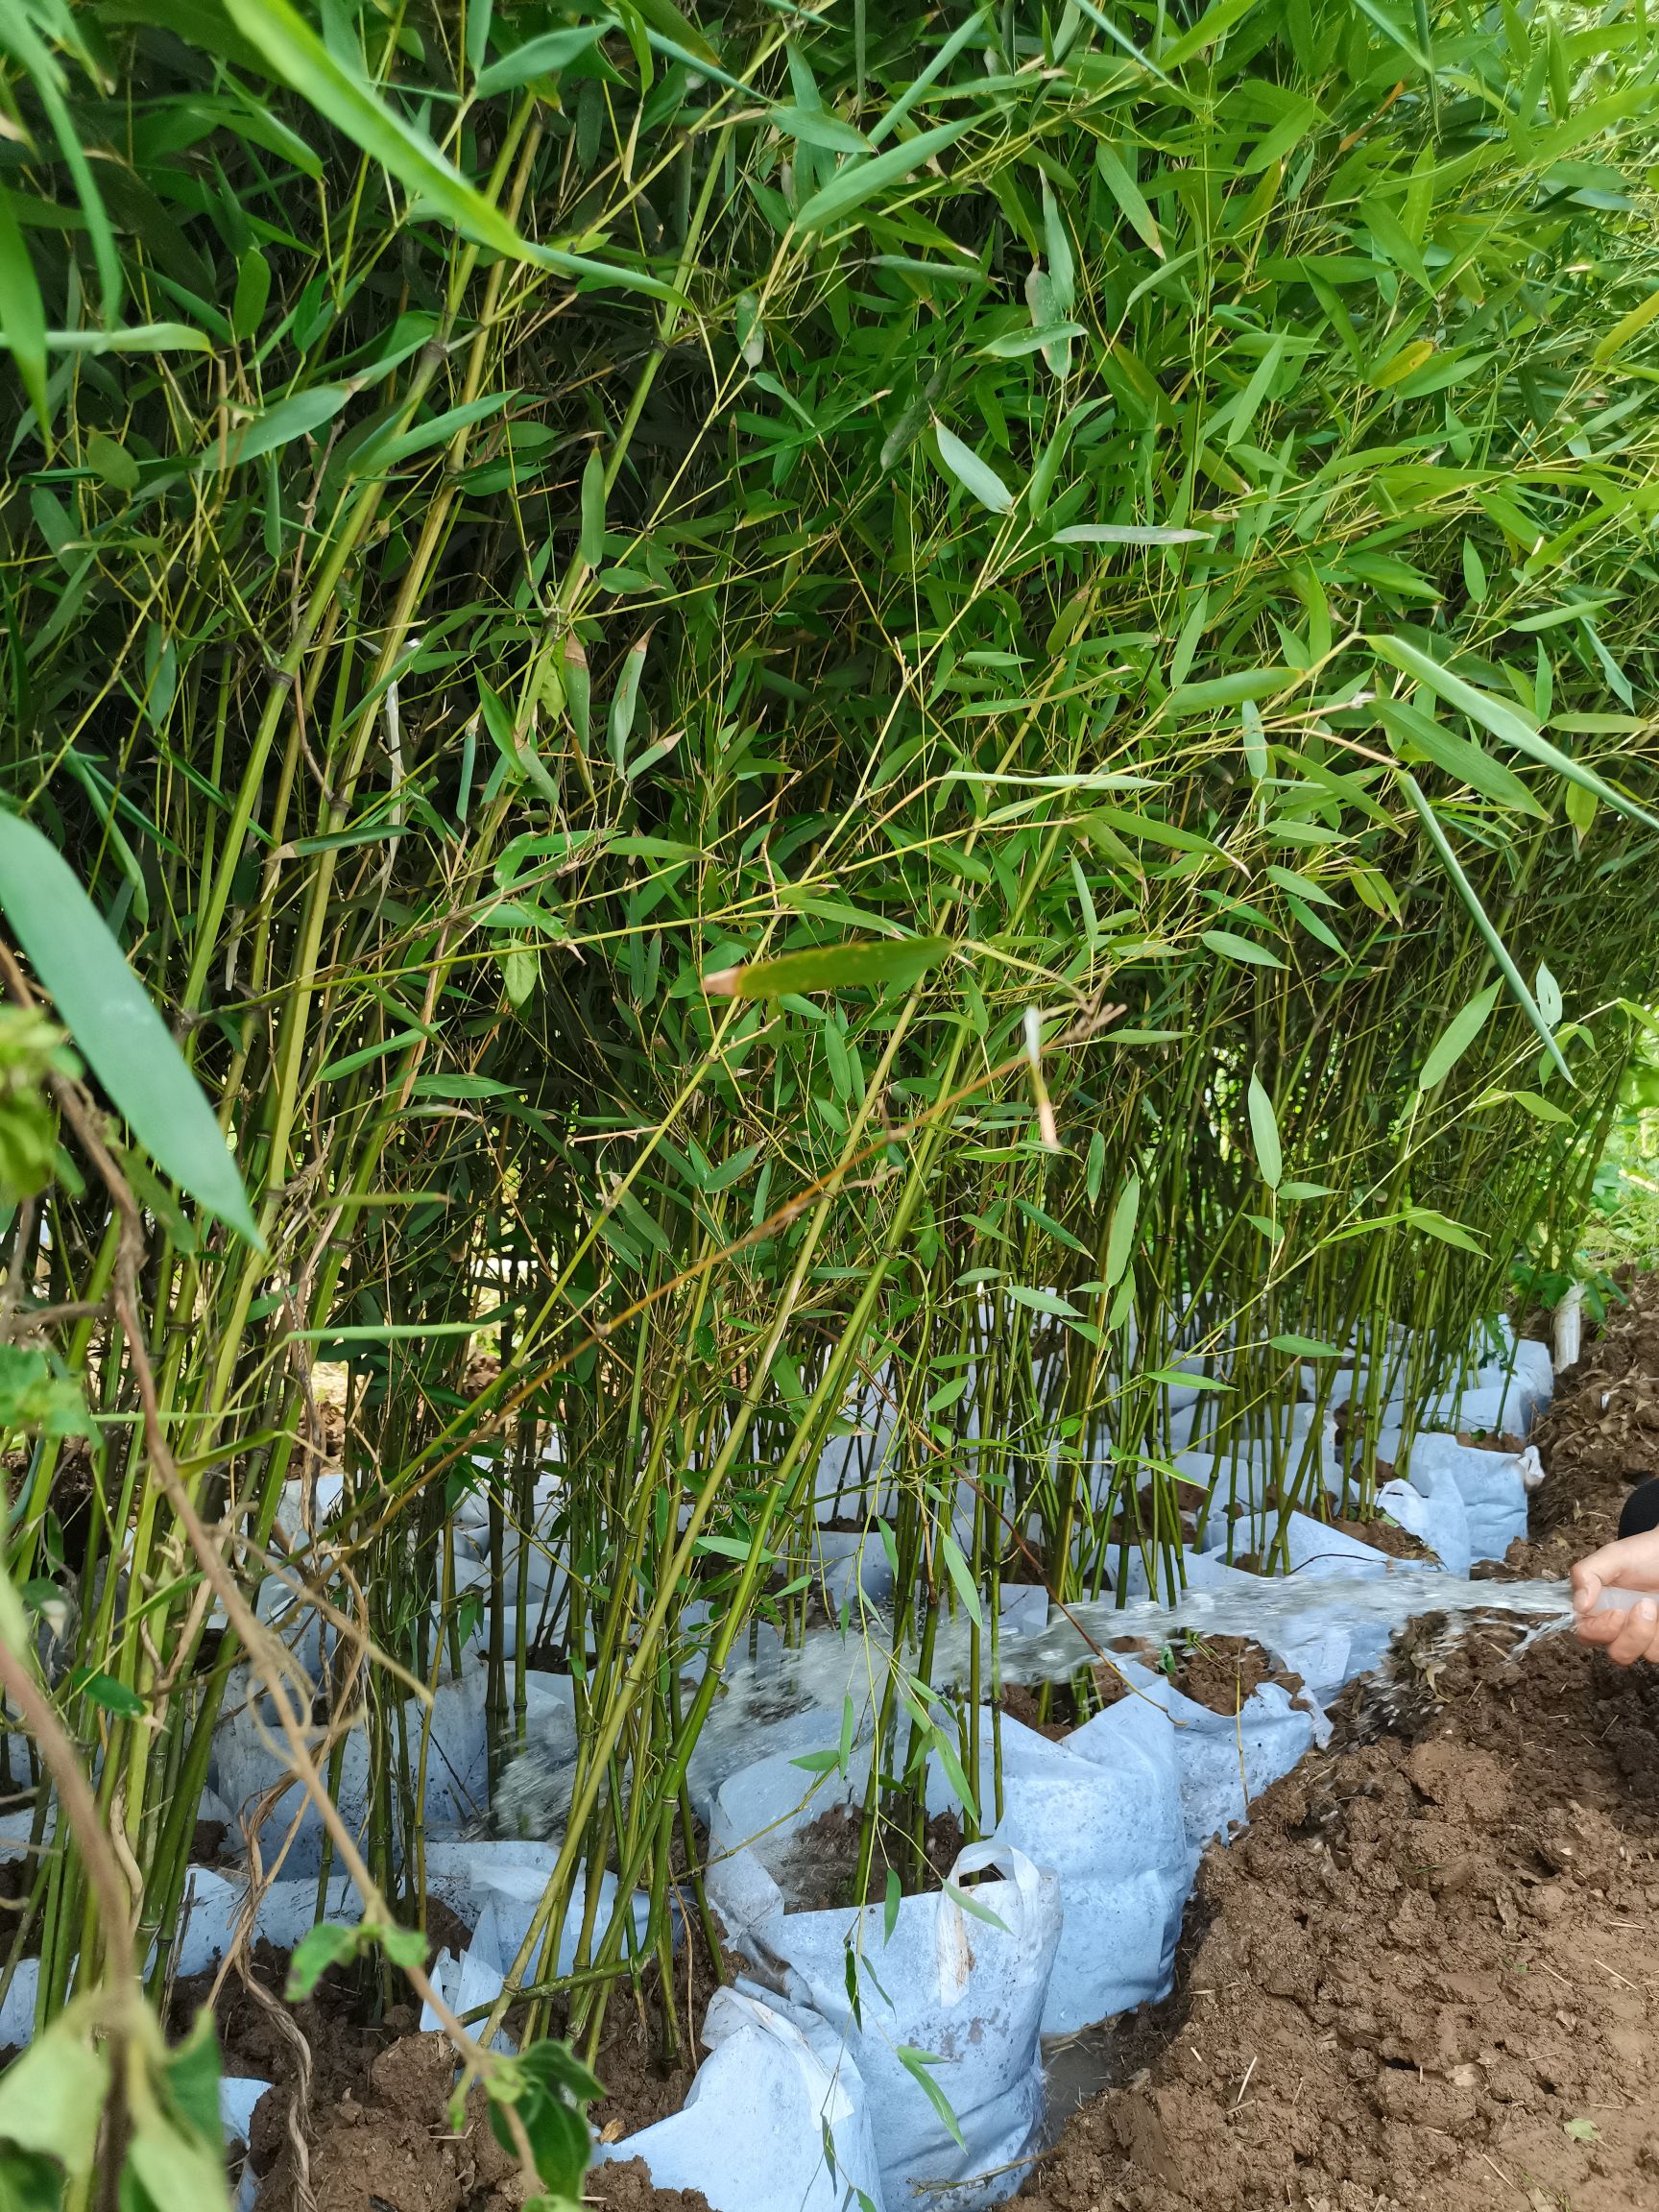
831, 1665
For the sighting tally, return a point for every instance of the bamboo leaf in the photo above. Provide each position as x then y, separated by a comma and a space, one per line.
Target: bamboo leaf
1044, 1302
1627, 328
542, 57
297, 416
625, 705
22, 315
135, 338
1127, 534
962, 1575
1435, 1224
293, 52
1128, 195
975, 475
817, 127
592, 545
1505, 723
1128, 822
1264, 1132
103, 1005
1413, 734
1120, 1236
1455, 1038
857, 964
1232, 946
1482, 922
861, 179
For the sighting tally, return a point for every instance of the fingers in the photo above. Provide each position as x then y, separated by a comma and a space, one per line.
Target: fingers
1632, 1563
1587, 1585
1625, 1637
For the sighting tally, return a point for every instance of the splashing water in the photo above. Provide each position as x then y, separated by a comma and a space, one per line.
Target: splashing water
1277, 1610
830, 1665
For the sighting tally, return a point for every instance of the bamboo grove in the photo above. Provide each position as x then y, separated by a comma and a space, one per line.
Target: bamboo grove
1143, 516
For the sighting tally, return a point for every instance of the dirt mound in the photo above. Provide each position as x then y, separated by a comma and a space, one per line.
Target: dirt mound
1427, 1976
394, 2147
1602, 1428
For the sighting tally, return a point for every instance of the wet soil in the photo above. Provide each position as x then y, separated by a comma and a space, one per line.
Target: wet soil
1427, 1974
1218, 1672
823, 1870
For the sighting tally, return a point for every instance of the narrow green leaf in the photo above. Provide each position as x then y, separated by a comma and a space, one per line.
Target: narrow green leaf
849, 966
817, 127
1305, 1347
1482, 921
1127, 534
1128, 195
1233, 947
916, 2063
961, 1574
1212, 25
1505, 723
105, 1691
1044, 1302
975, 475
1411, 731
103, 1005
861, 179
625, 705
1436, 1224
542, 57
1455, 1038
23, 313
1120, 1236
136, 338
592, 543
1130, 821
293, 52
1264, 1133
253, 293
1542, 1109
296, 417
1627, 326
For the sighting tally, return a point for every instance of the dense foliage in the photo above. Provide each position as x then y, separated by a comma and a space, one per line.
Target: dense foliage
1142, 514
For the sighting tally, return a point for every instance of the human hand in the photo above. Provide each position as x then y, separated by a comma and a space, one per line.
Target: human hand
1625, 1634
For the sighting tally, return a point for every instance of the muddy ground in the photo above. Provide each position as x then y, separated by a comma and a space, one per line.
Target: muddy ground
1429, 1974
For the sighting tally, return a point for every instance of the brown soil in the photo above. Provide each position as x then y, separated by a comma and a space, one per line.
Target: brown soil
1491, 1440
1427, 1976
375, 2117
824, 1860
627, 2187
1025, 1704
1218, 1672
1383, 1535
